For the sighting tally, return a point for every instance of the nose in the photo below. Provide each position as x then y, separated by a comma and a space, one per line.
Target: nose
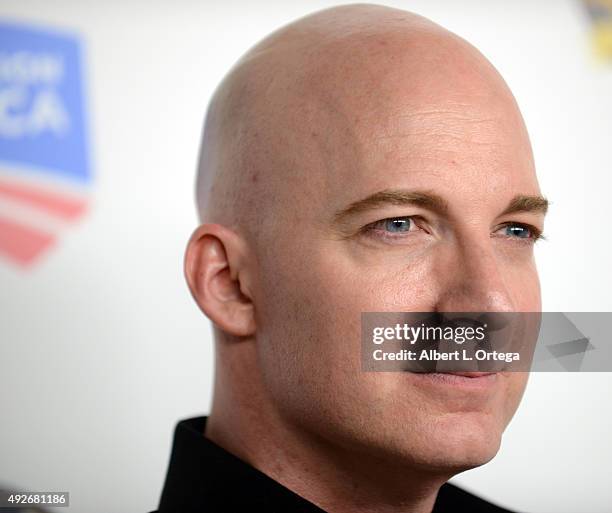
471, 279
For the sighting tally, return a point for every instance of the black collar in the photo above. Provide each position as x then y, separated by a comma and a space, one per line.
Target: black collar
204, 477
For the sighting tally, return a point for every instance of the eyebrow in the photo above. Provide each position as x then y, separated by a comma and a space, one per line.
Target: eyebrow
424, 199
431, 201
526, 203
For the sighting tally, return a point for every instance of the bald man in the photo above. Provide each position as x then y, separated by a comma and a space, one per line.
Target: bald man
360, 159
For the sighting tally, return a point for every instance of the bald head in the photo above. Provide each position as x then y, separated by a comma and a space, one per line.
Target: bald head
360, 159
299, 106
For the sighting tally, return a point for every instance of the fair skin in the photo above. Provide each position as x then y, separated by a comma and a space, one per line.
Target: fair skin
328, 127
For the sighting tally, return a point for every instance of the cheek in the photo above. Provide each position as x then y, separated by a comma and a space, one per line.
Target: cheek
523, 283
513, 393
309, 332
308, 329
385, 283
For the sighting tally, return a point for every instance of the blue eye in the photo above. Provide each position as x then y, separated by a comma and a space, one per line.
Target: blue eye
397, 224
518, 230
395, 230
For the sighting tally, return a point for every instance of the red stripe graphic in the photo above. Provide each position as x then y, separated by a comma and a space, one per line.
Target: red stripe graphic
51, 202
22, 243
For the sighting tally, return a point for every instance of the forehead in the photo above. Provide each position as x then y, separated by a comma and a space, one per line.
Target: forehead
405, 118
463, 148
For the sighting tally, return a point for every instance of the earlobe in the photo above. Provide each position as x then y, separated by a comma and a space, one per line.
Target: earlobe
216, 274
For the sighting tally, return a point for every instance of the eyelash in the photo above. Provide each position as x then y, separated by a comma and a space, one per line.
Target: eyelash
371, 227
536, 234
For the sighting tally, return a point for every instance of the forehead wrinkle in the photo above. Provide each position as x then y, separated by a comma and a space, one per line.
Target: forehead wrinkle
454, 127
443, 129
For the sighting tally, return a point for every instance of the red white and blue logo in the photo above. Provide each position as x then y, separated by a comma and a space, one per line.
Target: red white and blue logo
45, 174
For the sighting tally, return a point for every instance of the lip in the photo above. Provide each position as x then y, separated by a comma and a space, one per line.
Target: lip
469, 374
463, 380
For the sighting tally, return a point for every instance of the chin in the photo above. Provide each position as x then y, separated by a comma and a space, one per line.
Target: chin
461, 442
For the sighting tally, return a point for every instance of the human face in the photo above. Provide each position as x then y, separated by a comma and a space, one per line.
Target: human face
328, 256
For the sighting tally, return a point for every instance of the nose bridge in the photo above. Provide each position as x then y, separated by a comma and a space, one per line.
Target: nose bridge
474, 282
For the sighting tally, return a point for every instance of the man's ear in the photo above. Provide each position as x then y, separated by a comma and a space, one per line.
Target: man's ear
215, 270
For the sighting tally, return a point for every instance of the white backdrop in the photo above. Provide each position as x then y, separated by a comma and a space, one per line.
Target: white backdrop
102, 349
